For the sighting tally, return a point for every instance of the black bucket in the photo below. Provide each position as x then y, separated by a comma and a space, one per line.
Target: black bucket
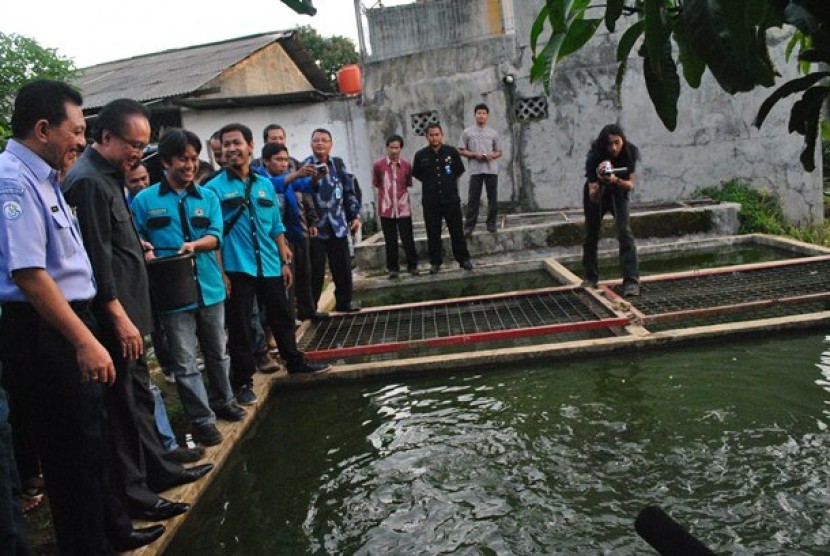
173, 282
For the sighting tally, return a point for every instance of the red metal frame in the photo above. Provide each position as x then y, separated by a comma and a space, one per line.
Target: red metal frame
460, 339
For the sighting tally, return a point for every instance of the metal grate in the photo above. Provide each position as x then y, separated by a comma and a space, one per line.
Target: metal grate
421, 120
724, 291
457, 322
531, 108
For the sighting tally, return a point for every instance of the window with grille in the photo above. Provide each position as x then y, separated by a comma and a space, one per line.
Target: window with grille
159, 121
421, 120
531, 108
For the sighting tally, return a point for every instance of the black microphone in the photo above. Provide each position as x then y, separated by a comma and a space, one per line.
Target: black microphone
667, 536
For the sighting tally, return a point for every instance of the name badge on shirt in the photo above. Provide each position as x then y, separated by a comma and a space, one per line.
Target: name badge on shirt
54, 208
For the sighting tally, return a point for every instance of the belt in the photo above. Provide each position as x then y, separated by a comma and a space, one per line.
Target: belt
81, 307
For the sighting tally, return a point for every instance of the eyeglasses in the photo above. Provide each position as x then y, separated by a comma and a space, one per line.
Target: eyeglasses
136, 145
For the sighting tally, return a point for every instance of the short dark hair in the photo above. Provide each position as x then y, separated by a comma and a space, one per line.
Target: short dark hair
271, 149
393, 138
481, 106
217, 135
175, 140
434, 125
43, 99
268, 128
236, 126
321, 130
114, 116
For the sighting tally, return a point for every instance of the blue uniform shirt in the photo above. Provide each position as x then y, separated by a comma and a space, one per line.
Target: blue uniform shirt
250, 246
37, 229
158, 219
335, 199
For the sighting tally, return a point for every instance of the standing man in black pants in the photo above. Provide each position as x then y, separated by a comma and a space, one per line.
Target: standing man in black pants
480, 145
255, 260
438, 168
338, 215
46, 330
122, 306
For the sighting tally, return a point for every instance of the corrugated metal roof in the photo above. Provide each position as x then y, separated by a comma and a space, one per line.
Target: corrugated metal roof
182, 71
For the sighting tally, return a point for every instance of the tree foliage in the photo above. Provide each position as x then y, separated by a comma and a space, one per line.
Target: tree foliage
21, 60
727, 37
330, 53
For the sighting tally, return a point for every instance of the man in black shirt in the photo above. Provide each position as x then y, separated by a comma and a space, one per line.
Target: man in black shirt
122, 307
438, 168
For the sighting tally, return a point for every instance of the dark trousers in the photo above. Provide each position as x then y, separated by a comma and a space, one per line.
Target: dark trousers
270, 294
391, 228
23, 437
303, 294
336, 251
70, 427
615, 201
13, 540
491, 183
139, 455
434, 214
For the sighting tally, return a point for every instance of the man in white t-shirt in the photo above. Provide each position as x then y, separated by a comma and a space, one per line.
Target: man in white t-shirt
480, 145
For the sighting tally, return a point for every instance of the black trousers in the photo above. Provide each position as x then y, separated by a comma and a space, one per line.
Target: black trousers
336, 251
302, 293
615, 201
271, 295
491, 183
142, 468
434, 214
391, 228
70, 427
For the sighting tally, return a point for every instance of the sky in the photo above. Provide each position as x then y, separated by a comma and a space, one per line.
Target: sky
95, 31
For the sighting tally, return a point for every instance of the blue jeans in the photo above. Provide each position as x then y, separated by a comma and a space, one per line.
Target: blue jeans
168, 439
207, 326
12, 528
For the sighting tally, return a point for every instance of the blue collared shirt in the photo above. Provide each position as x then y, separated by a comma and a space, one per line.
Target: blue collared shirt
37, 229
157, 211
335, 200
250, 246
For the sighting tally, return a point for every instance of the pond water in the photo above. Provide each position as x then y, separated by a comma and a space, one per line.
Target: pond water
731, 439
659, 263
402, 291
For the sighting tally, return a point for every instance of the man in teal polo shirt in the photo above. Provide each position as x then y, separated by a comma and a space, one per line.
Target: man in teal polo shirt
256, 259
176, 216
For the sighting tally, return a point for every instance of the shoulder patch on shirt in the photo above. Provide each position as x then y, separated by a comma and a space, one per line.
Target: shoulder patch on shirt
261, 193
199, 211
13, 190
12, 210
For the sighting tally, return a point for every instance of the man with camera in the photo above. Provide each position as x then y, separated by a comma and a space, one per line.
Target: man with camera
609, 178
338, 214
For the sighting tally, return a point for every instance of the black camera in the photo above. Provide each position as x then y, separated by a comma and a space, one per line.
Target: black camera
321, 169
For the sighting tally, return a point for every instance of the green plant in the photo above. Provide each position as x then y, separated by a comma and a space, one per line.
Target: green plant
760, 210
687, 37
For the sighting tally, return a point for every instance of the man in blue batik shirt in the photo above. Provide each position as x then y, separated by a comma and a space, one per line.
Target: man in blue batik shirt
338, 214
256, 260
176, 216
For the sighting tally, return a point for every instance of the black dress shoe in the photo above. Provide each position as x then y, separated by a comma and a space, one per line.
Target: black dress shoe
319, 315
307, 368
192, 474
352, 307
138, 538
161, 511
231, 412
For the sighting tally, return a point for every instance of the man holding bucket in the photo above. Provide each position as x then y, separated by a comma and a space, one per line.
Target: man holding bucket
179, 218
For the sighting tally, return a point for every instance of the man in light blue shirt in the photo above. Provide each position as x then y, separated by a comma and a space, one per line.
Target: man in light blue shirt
51, 359
176, 216
256, 260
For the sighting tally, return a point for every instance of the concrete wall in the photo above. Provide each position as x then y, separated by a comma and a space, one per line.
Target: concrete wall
544, 158
343, 117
